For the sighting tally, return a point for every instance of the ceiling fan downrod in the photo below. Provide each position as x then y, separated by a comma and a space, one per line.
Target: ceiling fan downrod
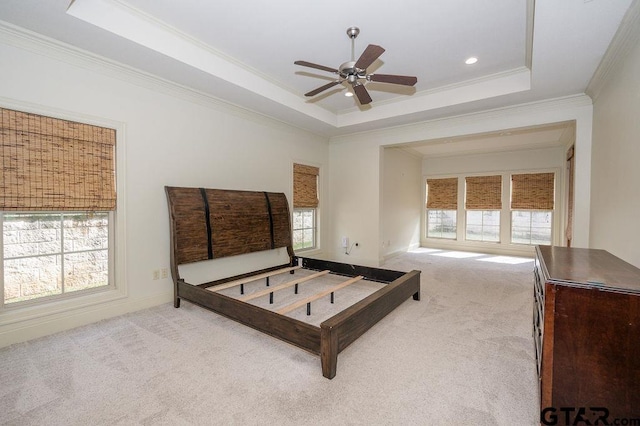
353, 32
348, 70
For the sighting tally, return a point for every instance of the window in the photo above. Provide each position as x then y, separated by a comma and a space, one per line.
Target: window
483, 202
532, 203
442, 205
442, 224
57, 201
531, 227
483, 225
305, 206
47, 254
304, 230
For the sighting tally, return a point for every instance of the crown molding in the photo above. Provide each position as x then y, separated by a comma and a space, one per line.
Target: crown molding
566, 102
448, 88
508, 81
123, 20
625, 39
568, 137
25, 39
494, 85
189, 40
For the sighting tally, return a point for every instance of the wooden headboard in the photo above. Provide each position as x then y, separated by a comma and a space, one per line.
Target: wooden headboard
213, 223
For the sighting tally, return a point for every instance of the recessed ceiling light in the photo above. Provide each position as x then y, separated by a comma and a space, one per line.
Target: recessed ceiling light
348, 94
472, 60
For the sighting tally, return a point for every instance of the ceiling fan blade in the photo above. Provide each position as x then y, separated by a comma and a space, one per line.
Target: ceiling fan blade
322, 88
394, 79
316, 66
362, 94
370, 54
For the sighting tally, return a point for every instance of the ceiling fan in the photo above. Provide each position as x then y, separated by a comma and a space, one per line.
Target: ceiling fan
355, 72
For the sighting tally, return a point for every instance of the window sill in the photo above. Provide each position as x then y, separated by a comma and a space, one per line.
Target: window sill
28, 312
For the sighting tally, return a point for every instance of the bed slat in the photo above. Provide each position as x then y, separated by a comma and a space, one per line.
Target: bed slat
251, 278
282, 286
317, 296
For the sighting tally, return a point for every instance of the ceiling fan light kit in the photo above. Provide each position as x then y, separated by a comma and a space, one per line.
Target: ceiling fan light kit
354, 72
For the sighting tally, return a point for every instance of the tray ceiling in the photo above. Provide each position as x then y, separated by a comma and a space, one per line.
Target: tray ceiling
243, 52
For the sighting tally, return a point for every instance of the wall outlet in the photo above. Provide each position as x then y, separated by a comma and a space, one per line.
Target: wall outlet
345, 242
164, 273
156, 274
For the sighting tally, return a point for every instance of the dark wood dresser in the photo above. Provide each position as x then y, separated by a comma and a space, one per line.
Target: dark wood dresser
586, 328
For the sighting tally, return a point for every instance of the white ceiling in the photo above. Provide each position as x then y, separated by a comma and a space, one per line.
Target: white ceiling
243, 52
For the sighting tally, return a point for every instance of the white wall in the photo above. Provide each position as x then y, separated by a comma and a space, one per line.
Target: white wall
401, 203
615, 194
356, 183
524, 160
169, 137
550, 159
355, 202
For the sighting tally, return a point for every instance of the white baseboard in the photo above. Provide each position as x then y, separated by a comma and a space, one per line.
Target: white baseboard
519, 250
396, 253
38, 327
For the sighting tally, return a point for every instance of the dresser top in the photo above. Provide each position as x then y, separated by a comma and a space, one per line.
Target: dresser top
588, 267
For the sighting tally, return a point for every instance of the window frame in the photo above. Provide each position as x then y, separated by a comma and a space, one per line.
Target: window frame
314, 228
484, 193
441, 195
11, 316
505, 240
314, 208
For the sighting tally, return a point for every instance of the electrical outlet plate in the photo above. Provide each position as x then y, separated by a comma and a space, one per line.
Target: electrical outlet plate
164, 273
156, 274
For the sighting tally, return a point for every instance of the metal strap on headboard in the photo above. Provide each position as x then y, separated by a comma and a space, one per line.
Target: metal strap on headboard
207, 219
266, 196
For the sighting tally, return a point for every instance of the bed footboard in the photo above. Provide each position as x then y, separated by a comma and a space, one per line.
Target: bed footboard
344, 328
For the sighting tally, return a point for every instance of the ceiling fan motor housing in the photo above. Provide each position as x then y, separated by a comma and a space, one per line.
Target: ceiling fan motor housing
349, 72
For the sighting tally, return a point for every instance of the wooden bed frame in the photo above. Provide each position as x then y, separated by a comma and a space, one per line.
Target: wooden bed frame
214, 223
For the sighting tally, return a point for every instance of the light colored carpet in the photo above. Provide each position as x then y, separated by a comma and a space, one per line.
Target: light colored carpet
463, 355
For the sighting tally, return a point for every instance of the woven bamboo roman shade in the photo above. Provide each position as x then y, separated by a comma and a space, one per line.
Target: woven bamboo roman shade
532, 191
53, 164
305, 186
483, 193
442, 194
